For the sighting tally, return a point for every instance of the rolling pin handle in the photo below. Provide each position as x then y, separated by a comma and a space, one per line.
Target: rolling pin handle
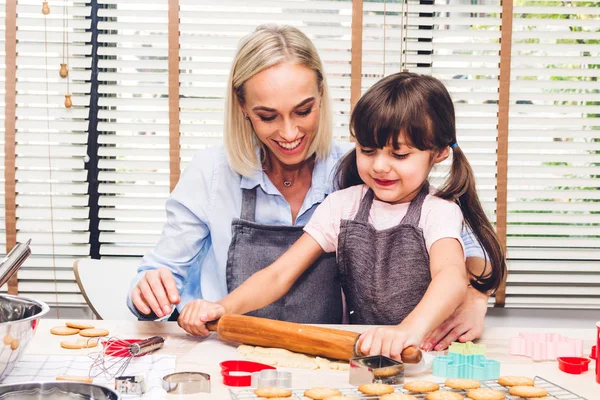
212, 325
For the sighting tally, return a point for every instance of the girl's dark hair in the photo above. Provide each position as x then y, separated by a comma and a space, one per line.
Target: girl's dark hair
420, 108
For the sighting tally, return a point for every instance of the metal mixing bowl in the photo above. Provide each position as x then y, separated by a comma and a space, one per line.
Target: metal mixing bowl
56, 391
19, 317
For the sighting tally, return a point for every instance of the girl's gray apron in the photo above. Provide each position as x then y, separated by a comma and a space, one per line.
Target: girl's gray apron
315, 298
384, 273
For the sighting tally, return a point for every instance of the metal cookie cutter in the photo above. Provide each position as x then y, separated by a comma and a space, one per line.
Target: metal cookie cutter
186, 383
130, 385
271, 377
376, 369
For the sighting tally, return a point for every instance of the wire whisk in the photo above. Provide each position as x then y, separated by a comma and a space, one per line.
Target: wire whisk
115, 354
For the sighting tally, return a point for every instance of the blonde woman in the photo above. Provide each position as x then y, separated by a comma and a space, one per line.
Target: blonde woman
236, 209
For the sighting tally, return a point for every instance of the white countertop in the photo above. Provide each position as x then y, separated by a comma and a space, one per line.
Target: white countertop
196, 354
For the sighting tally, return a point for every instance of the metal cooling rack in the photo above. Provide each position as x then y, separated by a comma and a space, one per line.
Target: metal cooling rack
554, 391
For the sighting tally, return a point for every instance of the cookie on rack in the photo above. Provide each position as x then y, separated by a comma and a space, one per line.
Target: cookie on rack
485, 394
421, 386
271, 392
443, 395
321, 393
509, 381
376, 389
462, 383
398, 396
529, 392
342, 397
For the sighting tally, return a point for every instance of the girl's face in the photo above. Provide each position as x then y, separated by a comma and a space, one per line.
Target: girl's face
396, 176
283, 105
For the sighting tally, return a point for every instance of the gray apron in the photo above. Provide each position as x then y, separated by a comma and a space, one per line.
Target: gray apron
315, 298
384, 273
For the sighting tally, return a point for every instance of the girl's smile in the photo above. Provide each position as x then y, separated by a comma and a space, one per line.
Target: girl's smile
385, 182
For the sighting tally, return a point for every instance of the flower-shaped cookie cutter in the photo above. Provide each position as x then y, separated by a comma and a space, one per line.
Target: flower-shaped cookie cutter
473, 366
545, 346
468, 348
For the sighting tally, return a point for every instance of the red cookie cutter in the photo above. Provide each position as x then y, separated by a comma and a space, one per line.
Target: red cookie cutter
593, 353
573, 365
245, 367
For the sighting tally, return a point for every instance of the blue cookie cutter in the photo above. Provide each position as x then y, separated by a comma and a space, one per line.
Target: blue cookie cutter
475, 366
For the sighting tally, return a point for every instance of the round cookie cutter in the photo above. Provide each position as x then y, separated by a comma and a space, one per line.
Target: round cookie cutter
239, 373
186, 383
271, 377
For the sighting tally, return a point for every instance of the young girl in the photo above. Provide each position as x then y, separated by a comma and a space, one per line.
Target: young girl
399, 252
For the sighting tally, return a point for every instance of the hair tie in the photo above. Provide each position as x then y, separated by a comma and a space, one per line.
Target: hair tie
453, 145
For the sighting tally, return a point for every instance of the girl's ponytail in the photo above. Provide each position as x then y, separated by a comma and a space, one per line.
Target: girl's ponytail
460, 187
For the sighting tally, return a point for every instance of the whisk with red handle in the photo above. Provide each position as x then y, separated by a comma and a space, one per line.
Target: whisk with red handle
116, 354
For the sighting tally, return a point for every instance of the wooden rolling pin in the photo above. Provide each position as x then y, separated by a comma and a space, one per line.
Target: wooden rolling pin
307, 339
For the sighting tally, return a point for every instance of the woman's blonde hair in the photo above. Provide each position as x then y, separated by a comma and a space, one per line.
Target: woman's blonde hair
266, 47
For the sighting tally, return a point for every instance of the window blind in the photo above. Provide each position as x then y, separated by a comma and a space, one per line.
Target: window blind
458, 43
553, 220
52, 202
210, 32
2, 129
133, 157
553, 210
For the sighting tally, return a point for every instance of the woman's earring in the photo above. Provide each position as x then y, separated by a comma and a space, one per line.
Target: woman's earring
246, 117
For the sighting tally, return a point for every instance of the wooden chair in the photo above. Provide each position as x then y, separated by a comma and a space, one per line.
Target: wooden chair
105, 284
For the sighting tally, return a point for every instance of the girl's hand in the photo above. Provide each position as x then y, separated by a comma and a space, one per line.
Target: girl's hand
197, 313
388, 341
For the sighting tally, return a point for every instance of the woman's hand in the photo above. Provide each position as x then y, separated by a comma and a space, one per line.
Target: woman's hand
156, 292
197, 313
388, 341
464, 325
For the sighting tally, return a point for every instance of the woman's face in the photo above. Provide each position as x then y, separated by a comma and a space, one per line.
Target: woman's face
283, 105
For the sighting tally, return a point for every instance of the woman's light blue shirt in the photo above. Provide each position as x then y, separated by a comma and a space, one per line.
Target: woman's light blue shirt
196, 237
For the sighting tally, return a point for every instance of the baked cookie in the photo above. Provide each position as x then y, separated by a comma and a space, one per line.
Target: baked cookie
485, 394
397, 396
79, 344
462, 384
421, 386
320, 393
340, 398
515, 381
64, 331
528, 391
77, 325
444, 395
94, 332
14, 344
270, 392
376, 389
386, 372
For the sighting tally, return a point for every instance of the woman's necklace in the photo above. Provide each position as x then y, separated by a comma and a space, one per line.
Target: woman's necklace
288, 182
